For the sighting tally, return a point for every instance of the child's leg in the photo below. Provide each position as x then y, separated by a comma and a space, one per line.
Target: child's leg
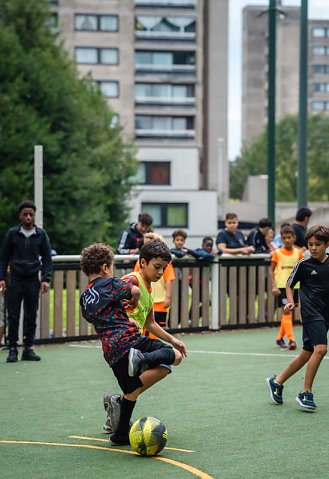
281, 333
320, 350
286, 323
292, 368
152, 376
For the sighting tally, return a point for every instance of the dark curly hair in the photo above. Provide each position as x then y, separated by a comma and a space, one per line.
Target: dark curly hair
94, 256
155, 249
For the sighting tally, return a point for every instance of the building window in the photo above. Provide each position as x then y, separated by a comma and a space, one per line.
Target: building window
319, 106
321, 87
154, 173
319, 32
115, 120
109, 89
178, 61
164, 126
94, 23
178, 28
167, 215
166, 3
320, 50
164, 93
90, 55
320, 68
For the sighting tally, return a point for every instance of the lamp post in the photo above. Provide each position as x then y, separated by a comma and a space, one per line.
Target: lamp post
271, 111
302, 120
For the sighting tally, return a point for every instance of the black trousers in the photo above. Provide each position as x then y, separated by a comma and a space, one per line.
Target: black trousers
18, 291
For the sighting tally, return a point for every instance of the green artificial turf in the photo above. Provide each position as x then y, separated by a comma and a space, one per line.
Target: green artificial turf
215, 403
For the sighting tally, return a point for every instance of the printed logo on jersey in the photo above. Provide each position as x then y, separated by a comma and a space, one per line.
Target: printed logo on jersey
314, 272
90, 296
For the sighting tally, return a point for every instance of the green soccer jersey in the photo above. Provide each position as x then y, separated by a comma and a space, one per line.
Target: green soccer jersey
145, 302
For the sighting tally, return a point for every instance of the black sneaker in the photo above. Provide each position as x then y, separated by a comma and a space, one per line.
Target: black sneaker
117, 440
275, 390
292, 345
306, 401
12, 356
136, 361
281, 344
29, 355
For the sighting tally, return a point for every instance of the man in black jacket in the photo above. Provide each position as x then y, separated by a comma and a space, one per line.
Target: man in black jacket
132, 239
26, 250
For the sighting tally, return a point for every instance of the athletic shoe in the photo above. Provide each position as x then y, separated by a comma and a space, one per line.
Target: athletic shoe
275, 390
136, 361
292, 345
305, 400
117, 440
281, 344
12, 356
29, 355
112, 405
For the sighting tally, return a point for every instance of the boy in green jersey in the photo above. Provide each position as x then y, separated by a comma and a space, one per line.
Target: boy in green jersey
154, 258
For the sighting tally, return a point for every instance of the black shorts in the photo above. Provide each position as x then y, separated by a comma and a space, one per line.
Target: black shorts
282, 299
120, 369
314, 332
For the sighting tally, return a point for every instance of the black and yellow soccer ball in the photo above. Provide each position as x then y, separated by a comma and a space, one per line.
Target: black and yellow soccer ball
148, 436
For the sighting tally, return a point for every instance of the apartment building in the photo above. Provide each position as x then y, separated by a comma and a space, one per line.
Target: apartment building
162, 64
255, 66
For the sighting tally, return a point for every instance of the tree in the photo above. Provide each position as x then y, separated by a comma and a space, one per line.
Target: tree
253, 160
87, 166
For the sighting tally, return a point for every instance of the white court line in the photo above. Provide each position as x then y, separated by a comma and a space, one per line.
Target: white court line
224, 353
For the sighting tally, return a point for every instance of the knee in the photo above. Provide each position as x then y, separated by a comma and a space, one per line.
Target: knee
321, 349
178, 358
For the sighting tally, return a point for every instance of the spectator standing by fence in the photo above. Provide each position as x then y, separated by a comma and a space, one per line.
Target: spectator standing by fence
132, 239
26, 250
231, 240
257, 236
303, 216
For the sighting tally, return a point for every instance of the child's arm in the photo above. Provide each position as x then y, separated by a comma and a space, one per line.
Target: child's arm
290, 297
167, 299
275, 289
154, 328
135, 295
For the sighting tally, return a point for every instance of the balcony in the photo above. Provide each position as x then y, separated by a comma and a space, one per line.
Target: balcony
166, 36
166, 3
169, 101
164, 133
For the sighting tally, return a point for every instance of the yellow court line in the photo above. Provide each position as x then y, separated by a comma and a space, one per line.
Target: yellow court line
192, 470
98, 439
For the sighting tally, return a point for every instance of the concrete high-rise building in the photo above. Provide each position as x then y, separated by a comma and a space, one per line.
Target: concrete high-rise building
162, 64
255, 66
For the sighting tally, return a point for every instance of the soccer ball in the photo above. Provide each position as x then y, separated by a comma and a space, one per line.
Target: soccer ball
148, 436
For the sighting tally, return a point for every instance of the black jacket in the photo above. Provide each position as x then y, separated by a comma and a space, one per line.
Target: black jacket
26, 256
131, 238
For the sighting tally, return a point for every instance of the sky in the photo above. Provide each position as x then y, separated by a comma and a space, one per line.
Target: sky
317, 9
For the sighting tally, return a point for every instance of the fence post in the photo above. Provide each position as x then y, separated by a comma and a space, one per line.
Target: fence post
214, 320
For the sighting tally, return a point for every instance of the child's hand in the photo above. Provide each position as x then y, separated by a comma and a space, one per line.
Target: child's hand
180, 346
129, 304
167, 301
276, 291
289, 307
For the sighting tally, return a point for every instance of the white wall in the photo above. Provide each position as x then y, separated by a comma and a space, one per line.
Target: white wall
184, 166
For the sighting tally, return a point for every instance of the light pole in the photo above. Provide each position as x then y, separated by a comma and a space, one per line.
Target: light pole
302, 119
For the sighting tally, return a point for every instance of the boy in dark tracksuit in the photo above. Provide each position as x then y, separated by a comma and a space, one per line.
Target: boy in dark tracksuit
313, 275
26, 250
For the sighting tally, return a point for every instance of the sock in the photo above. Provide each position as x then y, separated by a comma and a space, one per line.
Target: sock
286, 320
281, 333
160, 356
126, 411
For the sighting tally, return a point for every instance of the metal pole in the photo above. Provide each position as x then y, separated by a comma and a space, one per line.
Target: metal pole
223, 180
271, 111
38, 184
302, 120
38, 200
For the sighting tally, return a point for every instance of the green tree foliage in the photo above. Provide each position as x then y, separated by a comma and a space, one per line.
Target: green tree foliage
87, 166
253, 160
